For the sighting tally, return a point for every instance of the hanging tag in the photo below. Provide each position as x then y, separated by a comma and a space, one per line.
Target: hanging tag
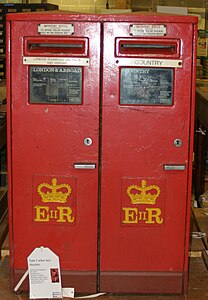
44, 274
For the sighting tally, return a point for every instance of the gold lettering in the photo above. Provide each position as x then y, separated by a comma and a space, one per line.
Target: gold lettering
65, 214
142, 215
53, 214
130, 215
154, 213
41, 214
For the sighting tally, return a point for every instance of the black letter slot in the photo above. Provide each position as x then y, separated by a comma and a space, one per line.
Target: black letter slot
56, 46
154, 48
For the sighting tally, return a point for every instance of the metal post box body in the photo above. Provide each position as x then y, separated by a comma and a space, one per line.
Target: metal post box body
47, 142
100, 145
152, 145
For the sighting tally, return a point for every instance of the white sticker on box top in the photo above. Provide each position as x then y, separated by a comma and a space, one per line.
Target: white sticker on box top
56, 29
148, 30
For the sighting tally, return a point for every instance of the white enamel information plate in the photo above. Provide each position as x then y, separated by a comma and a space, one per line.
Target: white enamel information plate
56, 29
148, 30
150, 62
56, 61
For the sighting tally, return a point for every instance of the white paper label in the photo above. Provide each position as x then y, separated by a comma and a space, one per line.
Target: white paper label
68, 292
148, 30
44, 274
56, 29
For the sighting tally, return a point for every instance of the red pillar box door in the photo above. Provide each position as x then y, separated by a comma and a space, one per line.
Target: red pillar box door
147, 129
100, 137
55, 71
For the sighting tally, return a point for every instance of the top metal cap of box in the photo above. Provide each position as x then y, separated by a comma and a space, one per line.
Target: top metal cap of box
58, 15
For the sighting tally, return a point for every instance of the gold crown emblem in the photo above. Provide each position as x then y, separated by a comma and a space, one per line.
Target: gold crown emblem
147, 194
54, 193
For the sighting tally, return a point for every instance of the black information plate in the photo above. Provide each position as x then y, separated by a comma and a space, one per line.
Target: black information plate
146, 86
55, 85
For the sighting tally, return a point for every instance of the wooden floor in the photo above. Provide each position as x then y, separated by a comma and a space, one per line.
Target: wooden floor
198, 273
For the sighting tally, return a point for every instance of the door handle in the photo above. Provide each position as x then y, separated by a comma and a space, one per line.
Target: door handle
174, 167
85, 166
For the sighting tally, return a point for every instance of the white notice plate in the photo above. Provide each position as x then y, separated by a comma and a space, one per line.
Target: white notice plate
56, 29
150, 62
55, 61
148, 30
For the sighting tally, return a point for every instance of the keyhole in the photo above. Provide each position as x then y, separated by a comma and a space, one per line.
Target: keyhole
88, 141
177, 142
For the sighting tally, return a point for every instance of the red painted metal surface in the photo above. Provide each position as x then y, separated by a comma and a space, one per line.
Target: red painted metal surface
137, 241
144, 236
46, 141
